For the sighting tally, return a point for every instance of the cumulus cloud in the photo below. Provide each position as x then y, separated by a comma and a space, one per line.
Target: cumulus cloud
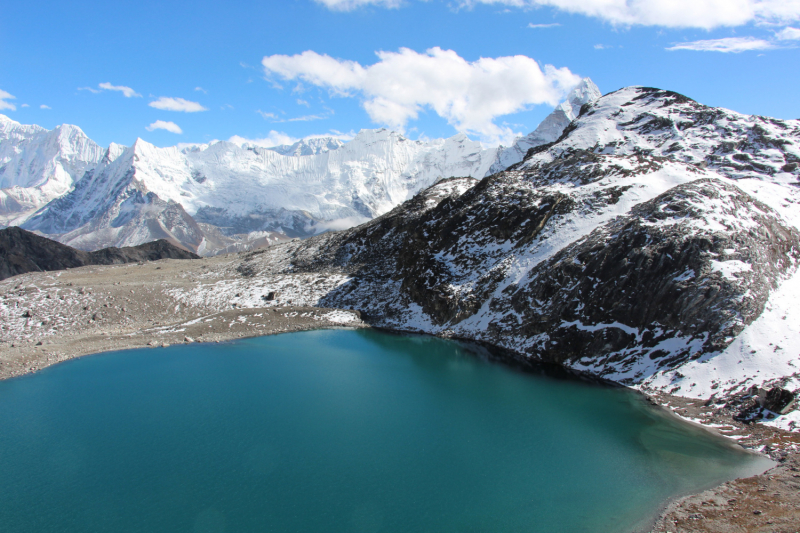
7, 105
727, 45
127, 92
164, 125
45, 107
469, 95
349, 5
788, 34
176, 104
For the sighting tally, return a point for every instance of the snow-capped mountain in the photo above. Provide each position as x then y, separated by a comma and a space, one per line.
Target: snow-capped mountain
245, 189
656, 243
551, 127
38, 165
313, 146
208, 197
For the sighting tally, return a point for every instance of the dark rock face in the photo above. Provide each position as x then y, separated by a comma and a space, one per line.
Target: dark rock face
22, 251
654, 275
778, 400
626, 248
673, 278
149, 251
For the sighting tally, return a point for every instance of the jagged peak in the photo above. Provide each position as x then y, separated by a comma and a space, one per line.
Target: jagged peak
113, 151
585, 91
69, 129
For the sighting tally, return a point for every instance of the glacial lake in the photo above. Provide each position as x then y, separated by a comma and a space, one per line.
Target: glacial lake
338, 431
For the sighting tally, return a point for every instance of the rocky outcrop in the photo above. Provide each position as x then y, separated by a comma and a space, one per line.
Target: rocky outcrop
604, 251
22, 251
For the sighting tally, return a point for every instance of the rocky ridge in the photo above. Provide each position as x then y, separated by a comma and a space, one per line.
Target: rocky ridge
648, 266
22, 251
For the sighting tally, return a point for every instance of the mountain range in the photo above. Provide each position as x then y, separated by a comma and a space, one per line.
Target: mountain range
226, 196
655, 242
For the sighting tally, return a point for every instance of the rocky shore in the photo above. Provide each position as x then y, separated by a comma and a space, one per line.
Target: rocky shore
49, 317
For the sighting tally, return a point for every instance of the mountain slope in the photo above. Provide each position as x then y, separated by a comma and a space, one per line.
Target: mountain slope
38, 165
22, 251
605, 251
551, 127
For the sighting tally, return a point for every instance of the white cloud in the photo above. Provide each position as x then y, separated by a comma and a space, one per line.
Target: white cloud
339, 224
164, 125
176, 104
705, 14
537, 26
127, 92
303, 102
267, 116
306, 118
349, 5
727, 45
601, 46
7, 105
23, 105
469, 95
272, 117
788, 34
279, 138
275, 138
45, 107
200, 89
90, 89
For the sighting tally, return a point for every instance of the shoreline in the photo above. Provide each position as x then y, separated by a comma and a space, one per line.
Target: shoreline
57, 316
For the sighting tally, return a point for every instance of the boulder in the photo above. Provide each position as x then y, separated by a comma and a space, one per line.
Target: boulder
778, 400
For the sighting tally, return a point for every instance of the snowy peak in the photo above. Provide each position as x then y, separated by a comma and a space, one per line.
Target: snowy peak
39, 165
313, 146
551, 127
585, 92
242, 189
654, 122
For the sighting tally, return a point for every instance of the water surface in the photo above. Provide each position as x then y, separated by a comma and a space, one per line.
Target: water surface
337, 431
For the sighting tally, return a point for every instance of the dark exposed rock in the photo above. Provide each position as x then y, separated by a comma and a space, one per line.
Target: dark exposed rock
778, 400
642, 292
22, 251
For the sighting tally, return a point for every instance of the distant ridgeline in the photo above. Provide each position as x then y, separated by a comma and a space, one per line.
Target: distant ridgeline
225, 196
22, 251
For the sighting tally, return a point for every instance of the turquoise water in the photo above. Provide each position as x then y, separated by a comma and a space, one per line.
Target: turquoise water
336, 431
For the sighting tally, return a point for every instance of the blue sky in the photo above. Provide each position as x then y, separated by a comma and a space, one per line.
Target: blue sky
214, 71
